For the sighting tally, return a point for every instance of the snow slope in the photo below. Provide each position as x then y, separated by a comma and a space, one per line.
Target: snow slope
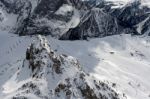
121, 60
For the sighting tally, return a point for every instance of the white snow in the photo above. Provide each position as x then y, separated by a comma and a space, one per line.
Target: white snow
64, 9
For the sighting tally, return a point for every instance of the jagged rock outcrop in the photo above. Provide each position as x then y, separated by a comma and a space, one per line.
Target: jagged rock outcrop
47, 75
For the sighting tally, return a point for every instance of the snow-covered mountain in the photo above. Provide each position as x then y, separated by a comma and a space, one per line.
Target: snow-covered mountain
113, 67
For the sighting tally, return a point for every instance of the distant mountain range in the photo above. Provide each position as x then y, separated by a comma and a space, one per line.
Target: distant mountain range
76, 19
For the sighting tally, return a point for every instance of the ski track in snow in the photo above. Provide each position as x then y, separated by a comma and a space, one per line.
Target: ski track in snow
119, 59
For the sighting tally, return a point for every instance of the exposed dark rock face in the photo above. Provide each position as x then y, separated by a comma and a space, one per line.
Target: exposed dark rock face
97, 24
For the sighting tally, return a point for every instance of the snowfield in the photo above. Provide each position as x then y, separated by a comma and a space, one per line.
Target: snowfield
120, 60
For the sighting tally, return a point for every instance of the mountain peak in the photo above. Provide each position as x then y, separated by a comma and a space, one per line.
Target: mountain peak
53, 76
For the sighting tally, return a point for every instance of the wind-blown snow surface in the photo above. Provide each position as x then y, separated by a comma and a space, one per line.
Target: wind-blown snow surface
120, 59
